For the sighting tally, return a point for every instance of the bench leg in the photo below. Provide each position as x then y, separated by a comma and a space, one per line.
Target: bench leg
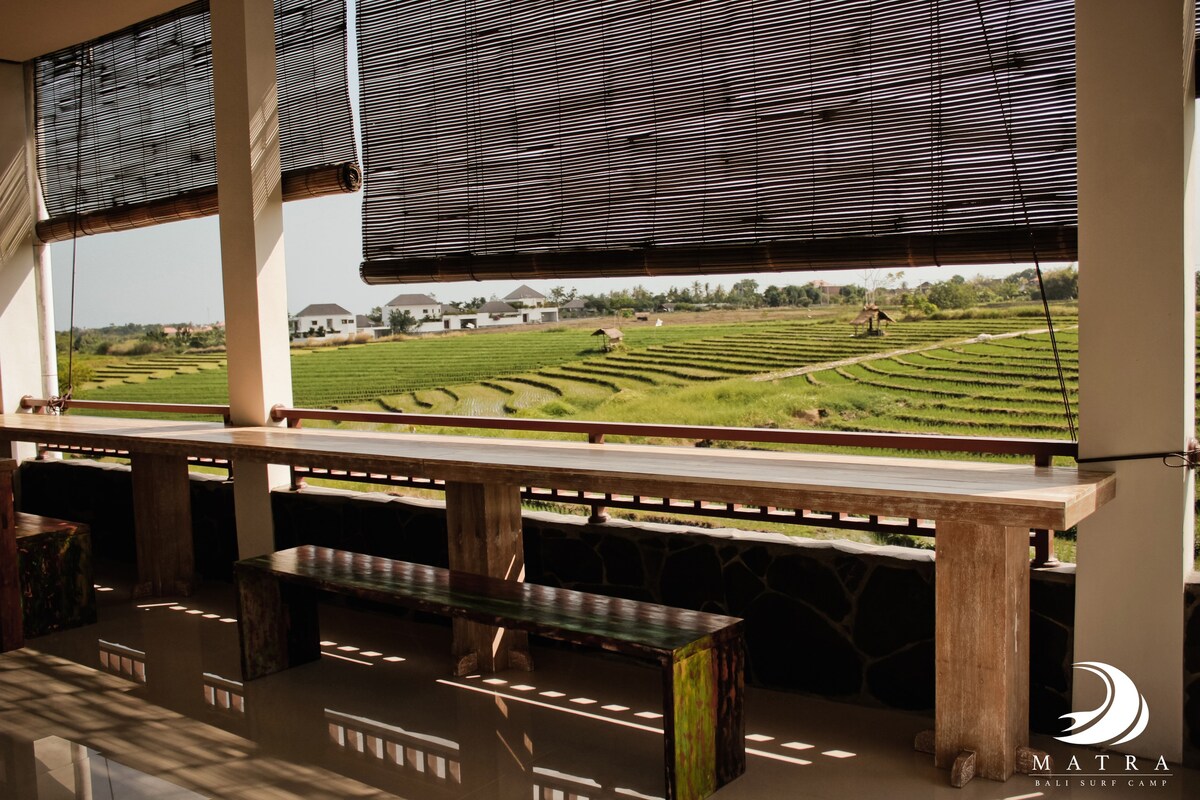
704, 727
483, 524
277, 625
982, 646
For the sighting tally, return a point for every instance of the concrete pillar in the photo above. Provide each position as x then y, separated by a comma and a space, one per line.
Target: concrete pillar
1136, 308
20, 365
43, 275
252, 264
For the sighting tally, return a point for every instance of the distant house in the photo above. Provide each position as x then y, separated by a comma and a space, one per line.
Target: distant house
496, 308
574, 308
612, 338
526, 297
329, 317
826, 288
421, 306
364, 324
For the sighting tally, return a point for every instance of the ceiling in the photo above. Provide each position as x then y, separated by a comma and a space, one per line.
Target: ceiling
29, 29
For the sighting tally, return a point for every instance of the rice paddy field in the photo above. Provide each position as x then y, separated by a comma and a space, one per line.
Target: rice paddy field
675, 373
992, 374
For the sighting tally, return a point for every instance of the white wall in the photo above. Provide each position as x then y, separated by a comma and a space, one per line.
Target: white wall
340, 323
418, 312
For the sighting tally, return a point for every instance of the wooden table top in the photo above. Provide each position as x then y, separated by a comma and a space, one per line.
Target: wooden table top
991, 493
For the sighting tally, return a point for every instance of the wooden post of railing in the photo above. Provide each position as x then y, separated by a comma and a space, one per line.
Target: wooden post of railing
297, 481
29, 405
1043, 540
599, 511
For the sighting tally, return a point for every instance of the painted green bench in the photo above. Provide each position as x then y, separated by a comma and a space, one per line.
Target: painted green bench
701, 655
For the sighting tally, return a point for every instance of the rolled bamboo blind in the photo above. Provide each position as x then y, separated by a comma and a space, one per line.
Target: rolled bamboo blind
553, 139
298, 184
126, 130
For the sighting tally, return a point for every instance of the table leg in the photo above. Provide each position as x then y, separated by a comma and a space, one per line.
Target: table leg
162, 519
982, 646
12, 630
483, 523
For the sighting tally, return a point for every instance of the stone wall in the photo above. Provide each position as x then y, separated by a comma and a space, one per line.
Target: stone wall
839, 619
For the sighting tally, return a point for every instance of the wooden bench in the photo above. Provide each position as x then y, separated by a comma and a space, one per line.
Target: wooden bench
701, 655
55, 560
45, 571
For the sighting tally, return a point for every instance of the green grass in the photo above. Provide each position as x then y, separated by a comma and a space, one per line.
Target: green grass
698, 374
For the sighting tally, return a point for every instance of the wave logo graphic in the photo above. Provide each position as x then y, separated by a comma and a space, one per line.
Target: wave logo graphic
1121, 717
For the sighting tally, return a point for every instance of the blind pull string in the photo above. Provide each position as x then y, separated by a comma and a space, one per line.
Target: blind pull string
1189, 458
58, 405
1037, 265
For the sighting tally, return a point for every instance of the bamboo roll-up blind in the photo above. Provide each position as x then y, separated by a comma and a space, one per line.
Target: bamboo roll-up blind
298, 184
547, 138
126, 130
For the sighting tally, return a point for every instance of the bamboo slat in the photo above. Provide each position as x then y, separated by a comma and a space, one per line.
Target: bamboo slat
513, 139
298, 184
126, 129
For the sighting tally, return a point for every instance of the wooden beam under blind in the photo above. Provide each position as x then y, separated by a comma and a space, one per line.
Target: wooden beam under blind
994, 246
298, 184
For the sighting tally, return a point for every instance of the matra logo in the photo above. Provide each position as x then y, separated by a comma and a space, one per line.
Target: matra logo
1120, 718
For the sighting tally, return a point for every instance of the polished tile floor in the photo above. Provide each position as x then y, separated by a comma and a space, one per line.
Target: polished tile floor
149, 704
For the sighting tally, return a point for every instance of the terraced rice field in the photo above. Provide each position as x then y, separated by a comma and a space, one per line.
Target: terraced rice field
158, 367
562, 373
981, 377
590, 384
1007, 387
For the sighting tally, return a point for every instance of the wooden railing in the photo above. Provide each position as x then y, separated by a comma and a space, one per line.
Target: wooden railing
43, 405
1043, 451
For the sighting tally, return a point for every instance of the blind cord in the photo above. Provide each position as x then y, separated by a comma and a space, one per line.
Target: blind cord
1012, 154
1182, 459
58, 405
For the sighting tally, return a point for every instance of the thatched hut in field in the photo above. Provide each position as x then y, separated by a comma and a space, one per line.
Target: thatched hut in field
873, 317
612, 338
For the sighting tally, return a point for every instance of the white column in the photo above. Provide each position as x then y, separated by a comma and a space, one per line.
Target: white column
1136, 308
19, 350
43, 275
252, 264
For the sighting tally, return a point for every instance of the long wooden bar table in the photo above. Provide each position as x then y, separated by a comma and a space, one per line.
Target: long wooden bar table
983, 513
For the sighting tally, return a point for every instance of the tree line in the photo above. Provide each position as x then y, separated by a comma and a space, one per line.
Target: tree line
882, 288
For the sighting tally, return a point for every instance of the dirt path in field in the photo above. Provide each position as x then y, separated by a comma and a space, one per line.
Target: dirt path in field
791, 373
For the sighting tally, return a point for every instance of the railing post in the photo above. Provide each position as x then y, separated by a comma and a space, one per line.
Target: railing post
599, 512
297, 481
1043, 540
